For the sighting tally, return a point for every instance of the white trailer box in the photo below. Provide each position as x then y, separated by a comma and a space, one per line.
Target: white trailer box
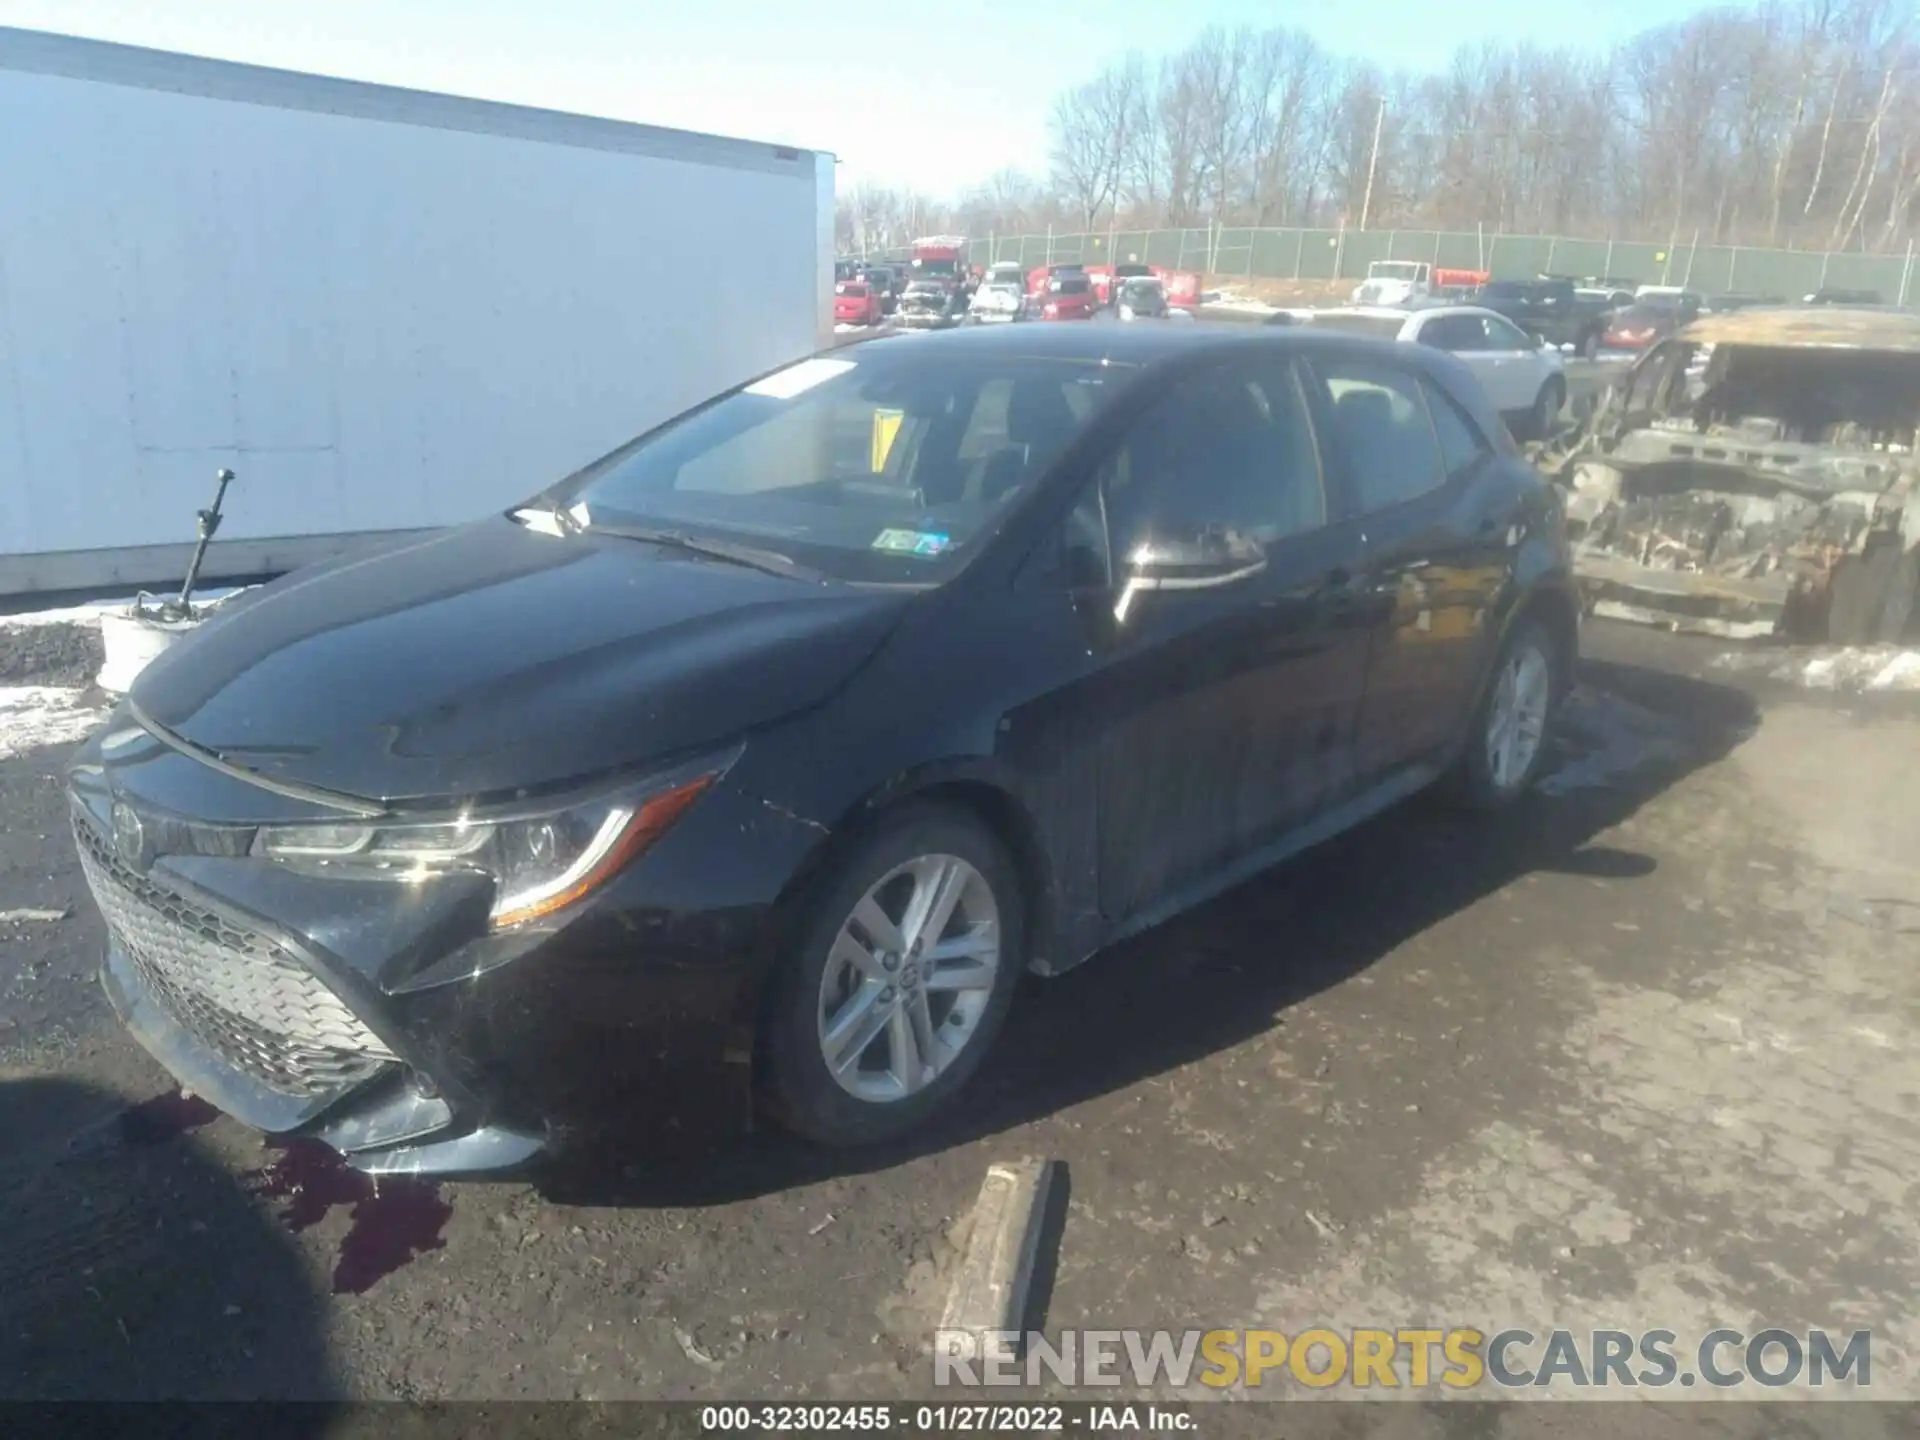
383, 309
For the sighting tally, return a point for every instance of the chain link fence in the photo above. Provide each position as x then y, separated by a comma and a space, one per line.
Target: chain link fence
1276, 254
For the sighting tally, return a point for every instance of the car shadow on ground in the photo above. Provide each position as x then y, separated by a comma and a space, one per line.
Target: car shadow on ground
133, 1267
1227, 971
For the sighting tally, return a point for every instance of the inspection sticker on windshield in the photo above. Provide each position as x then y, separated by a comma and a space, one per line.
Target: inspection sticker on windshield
912, 542
798, 379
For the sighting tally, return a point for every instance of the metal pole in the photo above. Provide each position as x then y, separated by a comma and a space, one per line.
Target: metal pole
1609, 261
1373, 162
1906, 274
1733, 267
1049, 242
1693, 249
1825, 256
1480, 242
1299, 244
1553, 243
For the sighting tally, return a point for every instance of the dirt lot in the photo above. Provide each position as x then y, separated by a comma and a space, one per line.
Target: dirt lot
1641, 1054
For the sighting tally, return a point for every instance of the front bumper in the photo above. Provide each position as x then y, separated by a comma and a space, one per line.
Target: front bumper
381, 1018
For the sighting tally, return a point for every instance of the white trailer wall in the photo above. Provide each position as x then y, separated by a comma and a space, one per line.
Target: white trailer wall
384, 310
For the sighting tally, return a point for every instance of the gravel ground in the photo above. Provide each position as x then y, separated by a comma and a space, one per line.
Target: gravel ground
1641, 1053
66, 652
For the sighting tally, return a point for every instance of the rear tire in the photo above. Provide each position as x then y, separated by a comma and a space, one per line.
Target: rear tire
856, 971
1546, 409
1873, 595
1512, 726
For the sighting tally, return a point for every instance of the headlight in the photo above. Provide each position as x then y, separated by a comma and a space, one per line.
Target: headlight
540, 862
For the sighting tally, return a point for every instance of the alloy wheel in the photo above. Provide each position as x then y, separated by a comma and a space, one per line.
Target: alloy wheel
1517, 718
908, 978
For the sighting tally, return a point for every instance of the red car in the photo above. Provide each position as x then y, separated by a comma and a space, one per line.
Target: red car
1069, 297
856, 303
1648, 320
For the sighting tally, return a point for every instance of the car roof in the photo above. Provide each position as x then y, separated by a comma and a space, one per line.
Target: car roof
1129, 344
1478, 312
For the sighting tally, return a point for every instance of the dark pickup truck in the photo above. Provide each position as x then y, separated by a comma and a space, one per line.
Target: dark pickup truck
1550, 309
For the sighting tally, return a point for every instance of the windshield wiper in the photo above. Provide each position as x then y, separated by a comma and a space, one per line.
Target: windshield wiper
751, 556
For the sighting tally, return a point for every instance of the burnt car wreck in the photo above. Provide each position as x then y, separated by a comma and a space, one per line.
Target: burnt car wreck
1754, 475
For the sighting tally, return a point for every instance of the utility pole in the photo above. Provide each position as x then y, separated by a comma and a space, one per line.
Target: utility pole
1373, 162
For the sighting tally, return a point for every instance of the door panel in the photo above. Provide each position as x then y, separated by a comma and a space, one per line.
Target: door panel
1435, 521
1226, 713
1231, 717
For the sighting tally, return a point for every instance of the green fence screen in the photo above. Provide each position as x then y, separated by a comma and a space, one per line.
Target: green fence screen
1279, 254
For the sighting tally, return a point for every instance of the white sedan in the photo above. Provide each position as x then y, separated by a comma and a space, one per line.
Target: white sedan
1525, 380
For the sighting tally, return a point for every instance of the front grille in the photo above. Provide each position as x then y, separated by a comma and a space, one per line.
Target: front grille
241, 995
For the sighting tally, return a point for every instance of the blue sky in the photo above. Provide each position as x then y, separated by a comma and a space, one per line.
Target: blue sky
944, 93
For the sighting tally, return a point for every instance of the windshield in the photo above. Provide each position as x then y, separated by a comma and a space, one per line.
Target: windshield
1072, 285
1385, 327
857, 292
1393, 270
1141, 290
888, 467
1506, 290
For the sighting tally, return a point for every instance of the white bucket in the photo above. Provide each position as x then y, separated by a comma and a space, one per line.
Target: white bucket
131, 641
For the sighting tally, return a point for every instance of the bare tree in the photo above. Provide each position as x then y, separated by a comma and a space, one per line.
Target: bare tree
1092, 131
1793, 122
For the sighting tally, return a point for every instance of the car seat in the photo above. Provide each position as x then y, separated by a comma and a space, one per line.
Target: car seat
1039, 420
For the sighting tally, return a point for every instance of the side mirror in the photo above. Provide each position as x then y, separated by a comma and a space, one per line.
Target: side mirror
1203, 562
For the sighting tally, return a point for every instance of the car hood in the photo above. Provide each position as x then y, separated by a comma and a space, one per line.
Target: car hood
492, 658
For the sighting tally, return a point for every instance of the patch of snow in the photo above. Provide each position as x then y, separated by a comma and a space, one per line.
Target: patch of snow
1846, 669
36, 715
89, 612
1609, 738
1229, 301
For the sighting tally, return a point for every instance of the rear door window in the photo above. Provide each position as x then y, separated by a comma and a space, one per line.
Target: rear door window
1456, 333
1462, 447
1382, 432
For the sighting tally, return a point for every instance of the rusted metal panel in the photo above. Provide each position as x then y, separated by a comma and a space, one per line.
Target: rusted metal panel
1825, 327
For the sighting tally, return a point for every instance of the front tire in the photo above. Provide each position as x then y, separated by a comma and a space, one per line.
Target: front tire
1507, 742
901, 977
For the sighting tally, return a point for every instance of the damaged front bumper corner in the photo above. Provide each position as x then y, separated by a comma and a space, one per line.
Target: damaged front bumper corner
402, 1129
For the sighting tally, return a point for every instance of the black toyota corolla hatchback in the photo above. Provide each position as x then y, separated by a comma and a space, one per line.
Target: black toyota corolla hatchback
777, 744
